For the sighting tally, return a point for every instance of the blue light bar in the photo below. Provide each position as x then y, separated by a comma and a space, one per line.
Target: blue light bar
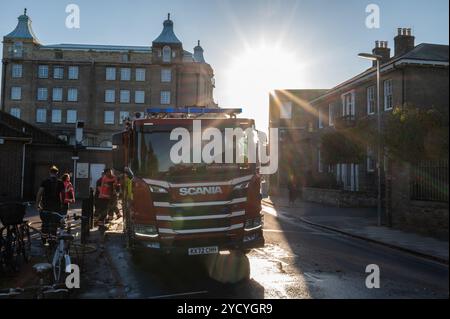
193, 110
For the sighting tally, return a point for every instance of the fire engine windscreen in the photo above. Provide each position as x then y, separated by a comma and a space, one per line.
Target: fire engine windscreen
154, 150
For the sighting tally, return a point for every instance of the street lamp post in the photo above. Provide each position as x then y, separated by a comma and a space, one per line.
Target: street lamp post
377, 58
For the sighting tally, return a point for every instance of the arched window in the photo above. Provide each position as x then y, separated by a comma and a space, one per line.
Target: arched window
167, 54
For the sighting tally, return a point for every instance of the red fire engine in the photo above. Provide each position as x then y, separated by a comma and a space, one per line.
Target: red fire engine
187, 208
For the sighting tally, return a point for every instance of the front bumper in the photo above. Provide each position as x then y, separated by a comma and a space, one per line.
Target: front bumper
180, 245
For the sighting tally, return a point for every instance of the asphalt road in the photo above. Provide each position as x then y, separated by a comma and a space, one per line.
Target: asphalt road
298, 261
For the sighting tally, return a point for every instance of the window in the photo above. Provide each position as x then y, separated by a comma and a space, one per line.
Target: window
72, 95
109, 117
57, 94
388, 99
16, 71
15, 111
110, 74
73, 72
71, 116
140, 74
16, 93
167, 54
165, 97
126, 57
110, 96
123, 116
58, 72
125, 74
43, 71
370, 100
370, 160
18, 49
41, 115
124, 96
56, 116
59, 54
330, 115
319, 161
286, 110
42, 94
320, 116
348, 104
166, 75
139, 97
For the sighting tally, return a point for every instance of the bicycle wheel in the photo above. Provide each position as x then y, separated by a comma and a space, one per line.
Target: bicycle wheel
12, 249
57, 261
25, 242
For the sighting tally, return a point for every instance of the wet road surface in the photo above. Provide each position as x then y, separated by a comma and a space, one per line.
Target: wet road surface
298, 261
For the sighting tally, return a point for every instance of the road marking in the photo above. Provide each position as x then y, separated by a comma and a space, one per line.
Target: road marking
311, 276
179, 294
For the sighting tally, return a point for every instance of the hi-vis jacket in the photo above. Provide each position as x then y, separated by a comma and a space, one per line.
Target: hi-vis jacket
68, 196
107, 185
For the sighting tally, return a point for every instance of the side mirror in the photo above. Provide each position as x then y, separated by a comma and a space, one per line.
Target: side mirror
129, 172
118, 152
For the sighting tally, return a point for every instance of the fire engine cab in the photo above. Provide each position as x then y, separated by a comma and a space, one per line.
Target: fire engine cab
176, 200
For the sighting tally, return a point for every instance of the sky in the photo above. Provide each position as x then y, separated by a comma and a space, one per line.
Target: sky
254, 46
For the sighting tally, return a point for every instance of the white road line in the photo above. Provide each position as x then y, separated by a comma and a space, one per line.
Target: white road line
179, 294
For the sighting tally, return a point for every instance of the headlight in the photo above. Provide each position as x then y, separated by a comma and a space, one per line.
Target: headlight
241, 186
145, 230
157, 189
253, 223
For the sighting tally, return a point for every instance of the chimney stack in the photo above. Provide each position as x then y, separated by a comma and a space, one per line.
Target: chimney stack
404, 41
381, 49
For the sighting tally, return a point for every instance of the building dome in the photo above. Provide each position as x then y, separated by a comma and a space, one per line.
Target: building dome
23, 29
198, 53
167, 35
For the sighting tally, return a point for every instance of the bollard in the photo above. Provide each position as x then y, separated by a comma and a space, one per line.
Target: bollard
86, 212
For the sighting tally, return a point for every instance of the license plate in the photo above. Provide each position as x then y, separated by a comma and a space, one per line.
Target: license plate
203, 250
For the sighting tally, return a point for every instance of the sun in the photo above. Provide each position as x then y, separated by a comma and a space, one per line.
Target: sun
258, 71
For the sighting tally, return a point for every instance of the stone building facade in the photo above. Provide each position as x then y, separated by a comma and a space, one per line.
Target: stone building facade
54, 86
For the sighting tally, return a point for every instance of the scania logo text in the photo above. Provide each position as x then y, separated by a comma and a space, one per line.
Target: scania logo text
204, 190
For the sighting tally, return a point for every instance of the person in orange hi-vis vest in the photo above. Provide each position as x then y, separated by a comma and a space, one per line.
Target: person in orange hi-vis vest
106, 193
68, 195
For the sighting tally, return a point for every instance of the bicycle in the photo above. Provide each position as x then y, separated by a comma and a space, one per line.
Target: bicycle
15, 242
61, 243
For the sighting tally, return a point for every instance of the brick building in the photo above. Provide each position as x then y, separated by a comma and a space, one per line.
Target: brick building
414, 75
53, 86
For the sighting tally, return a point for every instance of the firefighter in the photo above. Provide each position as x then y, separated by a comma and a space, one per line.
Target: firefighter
68, 195
113, 203
105, 187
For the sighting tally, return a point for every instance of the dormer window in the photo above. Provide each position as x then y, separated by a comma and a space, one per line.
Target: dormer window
18, 49
167, 54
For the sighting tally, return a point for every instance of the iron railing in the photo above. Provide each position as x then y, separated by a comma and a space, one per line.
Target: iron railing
429, 181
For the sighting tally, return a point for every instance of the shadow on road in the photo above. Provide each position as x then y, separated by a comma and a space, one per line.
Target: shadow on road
146, 275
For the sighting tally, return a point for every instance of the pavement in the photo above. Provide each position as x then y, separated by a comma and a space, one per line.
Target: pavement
98, 279
362, 223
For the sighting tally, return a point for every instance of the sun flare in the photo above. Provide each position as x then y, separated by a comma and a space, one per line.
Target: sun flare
256, 72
